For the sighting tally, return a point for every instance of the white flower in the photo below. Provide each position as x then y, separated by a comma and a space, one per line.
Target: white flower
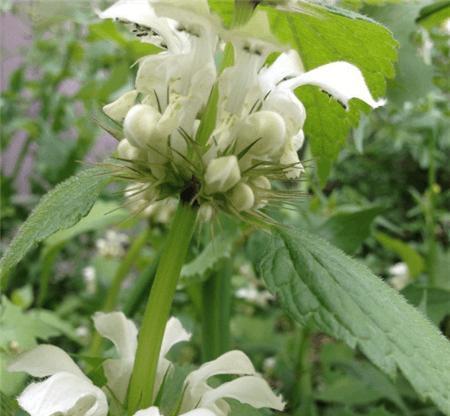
66, 391
154, 411
222, 174
249, 389
400, 276
257, 125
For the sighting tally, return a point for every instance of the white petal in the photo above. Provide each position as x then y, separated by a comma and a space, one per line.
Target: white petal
123, 333
250, 390
45, 360
151, 411
232, 362
117, 110
136, 11
63, 394
118, 329
142, 13
199, 412
174, 333
287, 65
342, 80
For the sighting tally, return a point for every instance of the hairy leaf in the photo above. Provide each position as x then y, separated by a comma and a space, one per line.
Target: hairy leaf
60, 208
317, 283
322, 35
217, 249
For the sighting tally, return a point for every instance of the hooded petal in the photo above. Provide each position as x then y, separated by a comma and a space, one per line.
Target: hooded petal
64, 394
232, 362
45, 360
250, 390
342, 80
117, 110
158, 31
123, 333
286, 66
173, 334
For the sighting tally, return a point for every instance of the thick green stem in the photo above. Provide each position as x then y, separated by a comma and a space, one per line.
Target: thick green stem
140, 394
216, 302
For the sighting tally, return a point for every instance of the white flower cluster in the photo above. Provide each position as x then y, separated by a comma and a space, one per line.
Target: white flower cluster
168, 145
68, 391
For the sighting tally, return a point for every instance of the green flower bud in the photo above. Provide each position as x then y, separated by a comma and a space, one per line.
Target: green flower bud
242, 197
267, 129
222, 174
140, 125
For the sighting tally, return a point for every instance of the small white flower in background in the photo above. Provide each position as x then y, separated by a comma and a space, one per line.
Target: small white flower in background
67, 391
400, 277
259, 125
90, 279
112, 245
251, 294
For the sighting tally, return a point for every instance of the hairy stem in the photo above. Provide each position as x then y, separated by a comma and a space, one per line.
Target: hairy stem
140, 394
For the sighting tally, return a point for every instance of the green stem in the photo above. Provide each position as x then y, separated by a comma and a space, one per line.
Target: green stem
303, 386
140, 394
48, 264
216, 302
114, 290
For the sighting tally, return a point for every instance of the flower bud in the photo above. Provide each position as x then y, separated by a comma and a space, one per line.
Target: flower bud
284, 102
205, 212
290, 157
267, 129
140, 125
126, 151
118, 109
222, 174
242, 197
260, 185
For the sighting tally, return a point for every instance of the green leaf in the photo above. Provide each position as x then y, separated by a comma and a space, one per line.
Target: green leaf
315, 282
217, 249
322, 35
60, 208
348, 230
434, 14
411, 257
102, 214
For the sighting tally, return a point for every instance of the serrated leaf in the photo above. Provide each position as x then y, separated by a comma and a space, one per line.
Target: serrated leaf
315, 282
217, 249
348, 230
60, 208
322, 35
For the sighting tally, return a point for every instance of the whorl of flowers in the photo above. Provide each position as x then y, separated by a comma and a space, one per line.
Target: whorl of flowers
65, 390
214, 138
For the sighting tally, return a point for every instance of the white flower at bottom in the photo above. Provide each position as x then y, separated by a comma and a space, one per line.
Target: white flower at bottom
250, 389
222, 174
66, 391
154, 411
